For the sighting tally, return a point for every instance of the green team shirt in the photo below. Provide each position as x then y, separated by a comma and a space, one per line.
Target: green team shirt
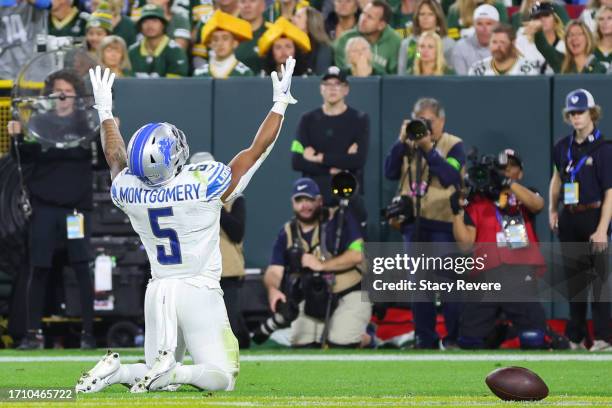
402, 23
384, 52
169, 60
604, 59
247, 51
72, 26
126, 29
239, 70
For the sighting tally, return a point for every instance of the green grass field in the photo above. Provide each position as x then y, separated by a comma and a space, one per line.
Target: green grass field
287, 378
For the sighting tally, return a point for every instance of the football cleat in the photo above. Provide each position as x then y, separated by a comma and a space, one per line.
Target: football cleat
601, 345
158, 376
96, 379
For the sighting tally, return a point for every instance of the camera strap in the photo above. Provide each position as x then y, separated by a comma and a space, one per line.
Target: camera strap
422, 189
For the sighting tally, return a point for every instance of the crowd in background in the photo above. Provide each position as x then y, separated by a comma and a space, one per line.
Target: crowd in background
166, 38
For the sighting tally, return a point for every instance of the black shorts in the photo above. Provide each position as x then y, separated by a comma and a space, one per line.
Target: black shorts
48, 235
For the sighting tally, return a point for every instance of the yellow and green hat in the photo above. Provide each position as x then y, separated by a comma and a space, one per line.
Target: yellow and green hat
283, 28
102, 17
241, 29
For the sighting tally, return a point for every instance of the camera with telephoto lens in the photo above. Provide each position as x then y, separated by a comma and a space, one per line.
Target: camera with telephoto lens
418, 128
484, 175
301, 283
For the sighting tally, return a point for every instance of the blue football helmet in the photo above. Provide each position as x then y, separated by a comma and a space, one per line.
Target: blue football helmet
157, 152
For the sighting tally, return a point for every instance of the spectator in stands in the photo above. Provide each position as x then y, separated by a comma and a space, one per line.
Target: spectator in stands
113, 54
247, 52
603, 37
231, 234
310, 21
123, 26
284, 8
156, 55
462, 16
359, 57
441, 157
579, 47
61, 195
32, 15
373, 26
475, 47
505, 58
427, 18
65, 20
228, 6
98, 27
280, 41
526, 12
403, 15
349, 313
333, 138
553, 30
505, 218
589, 14
222, 34
429, 59
582, 186
342, 19
178, 27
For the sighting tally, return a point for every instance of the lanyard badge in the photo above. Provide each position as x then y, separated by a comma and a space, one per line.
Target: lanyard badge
75, 225
514, 231
571, 190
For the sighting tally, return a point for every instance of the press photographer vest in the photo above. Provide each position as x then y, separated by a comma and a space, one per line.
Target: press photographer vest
483, 212
344, 279
232, 254
434, 204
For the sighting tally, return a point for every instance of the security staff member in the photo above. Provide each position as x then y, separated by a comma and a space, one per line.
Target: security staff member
333, 138
62, 193
443, 158
317, 238
582, 184
503, 227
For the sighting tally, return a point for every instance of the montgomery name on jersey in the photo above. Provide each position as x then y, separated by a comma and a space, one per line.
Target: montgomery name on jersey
189, 207
485, 67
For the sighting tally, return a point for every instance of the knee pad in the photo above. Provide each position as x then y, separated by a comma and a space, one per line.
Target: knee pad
532, 339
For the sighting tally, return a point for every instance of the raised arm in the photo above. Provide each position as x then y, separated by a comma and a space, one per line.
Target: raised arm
248, 161
112, 142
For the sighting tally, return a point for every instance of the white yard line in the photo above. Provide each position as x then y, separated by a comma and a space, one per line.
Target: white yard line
344, 357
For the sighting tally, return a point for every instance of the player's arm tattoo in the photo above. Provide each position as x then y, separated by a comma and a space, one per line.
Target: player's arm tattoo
113, 147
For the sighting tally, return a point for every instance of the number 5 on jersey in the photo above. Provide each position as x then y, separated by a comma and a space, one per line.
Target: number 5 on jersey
165, 233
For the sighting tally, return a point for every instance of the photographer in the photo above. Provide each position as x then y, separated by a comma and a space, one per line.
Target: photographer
303, 272
499, 216
441, 157
61, 196
582, 182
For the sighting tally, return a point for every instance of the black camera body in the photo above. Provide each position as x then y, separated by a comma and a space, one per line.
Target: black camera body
418, 128
484, 176
401, 208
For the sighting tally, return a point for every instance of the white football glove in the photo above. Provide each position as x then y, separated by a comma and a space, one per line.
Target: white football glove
282, 88
102, 85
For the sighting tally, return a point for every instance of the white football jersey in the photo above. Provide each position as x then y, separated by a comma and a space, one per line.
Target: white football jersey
178, 223
521, 67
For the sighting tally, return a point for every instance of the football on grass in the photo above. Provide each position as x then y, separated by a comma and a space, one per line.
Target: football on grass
516, 384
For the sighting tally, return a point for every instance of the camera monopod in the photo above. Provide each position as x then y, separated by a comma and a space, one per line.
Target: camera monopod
344, 185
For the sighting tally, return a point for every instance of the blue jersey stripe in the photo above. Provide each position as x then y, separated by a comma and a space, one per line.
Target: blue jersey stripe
141, 139
218, 186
